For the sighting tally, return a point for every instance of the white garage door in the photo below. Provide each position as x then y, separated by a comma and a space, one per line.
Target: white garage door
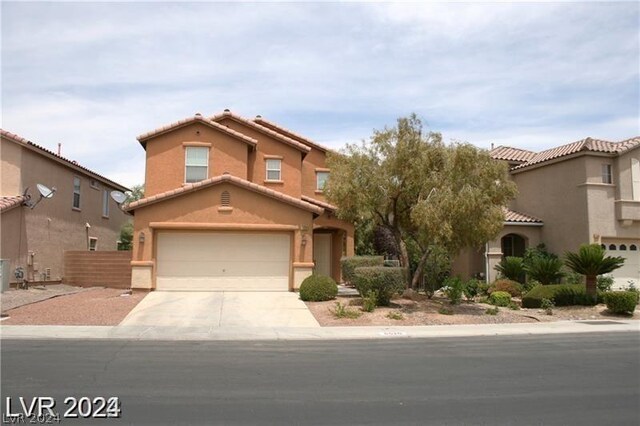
630, 271
220, 261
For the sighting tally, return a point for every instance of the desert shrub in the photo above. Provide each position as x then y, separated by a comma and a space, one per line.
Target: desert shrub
395, 316
349, 265
560, 294
453, 289
492, 311
318, 288
500, 298
511, 268
385, 281
471, 288
547, 305
511, 287
483, 289
604, 282
436, 269
528, 285
572, 277
632, 287
514, 306
621, 302
547, 270
341, 311
445, 310
369, 301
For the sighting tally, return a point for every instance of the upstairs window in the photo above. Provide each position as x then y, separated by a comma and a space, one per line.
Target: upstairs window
606, 174
274, 169
93, 244
321, 180
196, 163
76, 192
105, 203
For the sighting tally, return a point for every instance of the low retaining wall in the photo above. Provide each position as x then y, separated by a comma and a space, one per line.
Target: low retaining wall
97, 268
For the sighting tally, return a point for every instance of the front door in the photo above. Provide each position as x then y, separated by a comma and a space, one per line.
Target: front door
322, 254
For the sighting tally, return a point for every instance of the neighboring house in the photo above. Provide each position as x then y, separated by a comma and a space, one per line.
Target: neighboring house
234, 204
80, 216
583, 192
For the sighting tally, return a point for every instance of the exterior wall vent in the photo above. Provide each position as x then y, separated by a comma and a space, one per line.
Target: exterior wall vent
225, 199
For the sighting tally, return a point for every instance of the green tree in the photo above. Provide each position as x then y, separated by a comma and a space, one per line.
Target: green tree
423, 191
136, 193
126, 236
590, 261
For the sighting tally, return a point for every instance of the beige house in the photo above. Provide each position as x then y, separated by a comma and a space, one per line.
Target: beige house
583, 192
234, 204
80, 216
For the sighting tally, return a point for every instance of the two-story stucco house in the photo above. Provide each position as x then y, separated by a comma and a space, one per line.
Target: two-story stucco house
583, 192
80, 216
234, 204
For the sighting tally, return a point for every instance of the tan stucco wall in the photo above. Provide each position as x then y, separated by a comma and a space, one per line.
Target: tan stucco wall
200, 209
291, 170
11, 155
13, 238
314, 160
623, 168
53, 226
165, 164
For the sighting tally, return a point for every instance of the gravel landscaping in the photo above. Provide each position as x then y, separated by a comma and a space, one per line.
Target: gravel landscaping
91, 306
14, 298
423, 311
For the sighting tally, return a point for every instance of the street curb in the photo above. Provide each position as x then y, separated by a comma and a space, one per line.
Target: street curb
143, 333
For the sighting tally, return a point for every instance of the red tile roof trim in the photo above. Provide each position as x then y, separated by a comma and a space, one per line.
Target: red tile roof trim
517, 217
228, 114
511, 154
70, 163
7, 203
191, 187
196, 118
322, 204
289, 133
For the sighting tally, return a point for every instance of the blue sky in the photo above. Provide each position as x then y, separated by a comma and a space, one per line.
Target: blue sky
96, 75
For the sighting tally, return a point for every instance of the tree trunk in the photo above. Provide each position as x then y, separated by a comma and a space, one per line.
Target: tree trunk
418, 271
592, 289
404, 253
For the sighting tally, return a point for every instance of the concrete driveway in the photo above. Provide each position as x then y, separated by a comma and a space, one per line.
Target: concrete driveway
220, 309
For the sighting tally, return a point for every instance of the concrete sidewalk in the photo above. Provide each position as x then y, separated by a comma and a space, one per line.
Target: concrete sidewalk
309, 333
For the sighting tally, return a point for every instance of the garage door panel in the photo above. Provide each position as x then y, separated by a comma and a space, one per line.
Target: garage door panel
630, 270
223, 261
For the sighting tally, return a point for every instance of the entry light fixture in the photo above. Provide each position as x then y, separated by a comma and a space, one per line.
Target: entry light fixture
141, 237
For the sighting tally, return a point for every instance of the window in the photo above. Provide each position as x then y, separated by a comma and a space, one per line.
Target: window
274, 169
321, 180
93, 244
612, 246
76, 192
105, 203
606, 173
623, 247
196, 163
94, 184
633, 247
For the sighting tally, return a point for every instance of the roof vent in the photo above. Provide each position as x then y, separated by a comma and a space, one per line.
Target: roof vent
198, 115
258, 117
225, 199
227, 110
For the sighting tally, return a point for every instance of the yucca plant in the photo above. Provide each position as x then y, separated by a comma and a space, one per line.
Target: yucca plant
546, 270
511, 268
590, 261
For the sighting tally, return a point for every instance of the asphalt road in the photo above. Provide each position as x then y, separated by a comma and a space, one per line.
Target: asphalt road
587, 379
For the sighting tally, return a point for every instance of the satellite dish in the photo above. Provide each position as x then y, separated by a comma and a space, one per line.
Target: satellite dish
44, 191
118, 197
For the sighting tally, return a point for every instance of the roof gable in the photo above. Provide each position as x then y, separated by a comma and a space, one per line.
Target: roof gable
511, 154
192, 187
511, 216
290, 134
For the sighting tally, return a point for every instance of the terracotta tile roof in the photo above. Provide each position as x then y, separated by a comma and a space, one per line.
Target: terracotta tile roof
511, 154
588, 144
265, 130
65, 161
322, 204
191, 187
7, 203
291, 134
513, 216
199, 118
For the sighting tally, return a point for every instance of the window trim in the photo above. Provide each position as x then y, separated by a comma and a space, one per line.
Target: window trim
73, 198
186, 166
95, 248
267, 169
318, 173
606, 171
92, 182
105, 203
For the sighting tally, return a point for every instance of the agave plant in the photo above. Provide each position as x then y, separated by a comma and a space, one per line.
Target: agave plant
546, 270
590, 261
511, 268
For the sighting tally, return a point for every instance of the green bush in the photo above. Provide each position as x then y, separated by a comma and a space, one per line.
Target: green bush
560, 294
547, 270
604, 282
471, 288
528, 285
621, 302
500, 298
385, 281
341, 311
571, 277
492, 311
547, 305
349, 265
511, 268
370, 301
483, 289
511, 287
318, 288
453, 289
437, 267
445, 310
395, 316
514, 306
